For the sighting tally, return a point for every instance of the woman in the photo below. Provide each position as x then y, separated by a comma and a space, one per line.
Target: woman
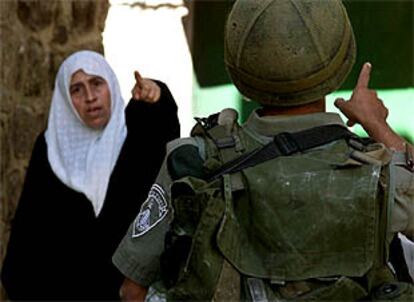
89, 173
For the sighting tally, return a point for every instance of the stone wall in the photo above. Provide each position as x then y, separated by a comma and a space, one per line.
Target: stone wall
35, 37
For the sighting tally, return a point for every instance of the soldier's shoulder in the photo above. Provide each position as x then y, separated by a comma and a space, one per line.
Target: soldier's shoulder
186, 143
185, 157
179, 142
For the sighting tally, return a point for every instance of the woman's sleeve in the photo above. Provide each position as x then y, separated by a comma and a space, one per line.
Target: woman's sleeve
151, 127
159, 119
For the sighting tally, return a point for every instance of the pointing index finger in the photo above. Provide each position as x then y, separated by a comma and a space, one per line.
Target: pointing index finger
363, 79
138, 78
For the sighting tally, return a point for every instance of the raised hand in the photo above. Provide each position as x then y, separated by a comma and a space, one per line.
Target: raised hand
145, 89
366, 109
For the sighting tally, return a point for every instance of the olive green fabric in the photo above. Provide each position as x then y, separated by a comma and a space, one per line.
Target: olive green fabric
185, 161
394, 291
288, 52
198, 210
229, 284
319, 218
316, 218
337, 289
138, 257
205, 275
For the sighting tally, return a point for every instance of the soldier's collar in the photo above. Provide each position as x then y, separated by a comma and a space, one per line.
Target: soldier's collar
266, 127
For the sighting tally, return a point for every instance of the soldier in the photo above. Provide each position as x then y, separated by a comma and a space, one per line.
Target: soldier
289, 206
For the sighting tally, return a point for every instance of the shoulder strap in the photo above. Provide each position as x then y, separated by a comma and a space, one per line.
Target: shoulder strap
220, 132
285, 144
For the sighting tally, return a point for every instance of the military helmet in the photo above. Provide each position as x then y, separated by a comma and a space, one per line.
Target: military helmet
288, 52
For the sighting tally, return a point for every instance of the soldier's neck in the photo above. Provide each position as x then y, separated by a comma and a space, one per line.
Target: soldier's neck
315, 107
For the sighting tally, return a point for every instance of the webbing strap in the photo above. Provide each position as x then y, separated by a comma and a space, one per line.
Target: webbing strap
285, 144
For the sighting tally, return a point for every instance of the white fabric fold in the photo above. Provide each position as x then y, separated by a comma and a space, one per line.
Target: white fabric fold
81, 157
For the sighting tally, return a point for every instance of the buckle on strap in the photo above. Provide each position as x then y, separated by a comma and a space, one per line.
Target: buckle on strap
286, 143
225, 142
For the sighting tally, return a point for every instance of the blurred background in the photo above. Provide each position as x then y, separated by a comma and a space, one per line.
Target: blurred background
177, 41
182, 43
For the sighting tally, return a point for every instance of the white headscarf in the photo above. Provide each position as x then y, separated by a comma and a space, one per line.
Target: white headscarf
81, 157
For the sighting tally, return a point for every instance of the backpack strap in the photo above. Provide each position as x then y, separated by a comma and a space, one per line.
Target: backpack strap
221, 133
285, 144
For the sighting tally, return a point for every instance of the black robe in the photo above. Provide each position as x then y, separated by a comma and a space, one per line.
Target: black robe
58, 248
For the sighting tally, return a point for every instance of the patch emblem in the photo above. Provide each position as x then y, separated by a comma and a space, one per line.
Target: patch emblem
153, 210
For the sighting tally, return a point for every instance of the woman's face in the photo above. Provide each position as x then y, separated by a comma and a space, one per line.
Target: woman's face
91, 98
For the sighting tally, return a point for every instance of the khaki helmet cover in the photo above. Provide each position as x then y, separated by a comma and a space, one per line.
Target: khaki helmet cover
288, 52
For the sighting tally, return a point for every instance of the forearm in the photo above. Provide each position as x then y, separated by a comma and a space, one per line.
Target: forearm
382, 133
